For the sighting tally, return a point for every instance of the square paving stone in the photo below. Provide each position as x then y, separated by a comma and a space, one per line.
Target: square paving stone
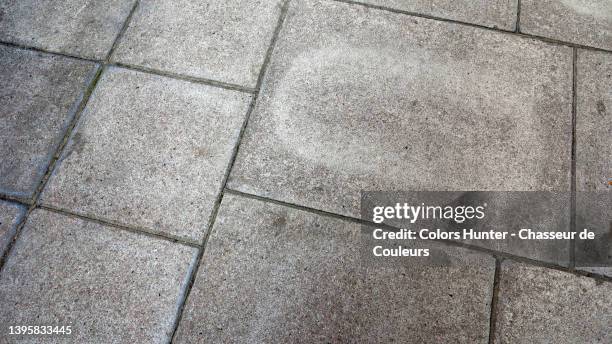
275, 274
109, 285
39, 94
539, 305
150, 152
221, 40
85, 28
10, 215
496, 13
361, 99
576, 21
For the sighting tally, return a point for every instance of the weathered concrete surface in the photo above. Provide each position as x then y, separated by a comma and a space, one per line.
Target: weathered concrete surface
149, 152
220, 40
85, 28
539, 305
10, 215
39, 94
360, 99
594, 159
274, 274
111, 286
493, 13
586, 22
594, 121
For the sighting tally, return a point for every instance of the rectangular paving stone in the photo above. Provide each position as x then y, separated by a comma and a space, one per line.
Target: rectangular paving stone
10, 216
85, 28
594, 157
539, 305
109, 285
275, 274
221, 40
39, 94
494, 13
150, 152
361, 99
576, 21
593, 121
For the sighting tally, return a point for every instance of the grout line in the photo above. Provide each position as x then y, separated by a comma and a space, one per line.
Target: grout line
119, 226
205, 81
572, 244
517, 28
484, 250
40, 50
462, 23
494, 301
302, 208
124, 28
21, 201
60, 147
213, 217
52, 163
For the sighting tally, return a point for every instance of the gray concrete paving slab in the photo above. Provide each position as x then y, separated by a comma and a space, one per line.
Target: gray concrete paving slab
86, 28
594, 158
220, 40
539, 305
10, 216
39, 95
496, 13
109, 285
150, 152
275, 274
594, 121
576, 21
361, 99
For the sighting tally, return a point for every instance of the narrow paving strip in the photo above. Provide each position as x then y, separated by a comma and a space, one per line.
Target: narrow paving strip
594, 157
360, 99
149, 152
273, 274
493, 13
111, 286
10, 215
221, 40
594, 121
85, 28
539, 305
39, 94
585, 22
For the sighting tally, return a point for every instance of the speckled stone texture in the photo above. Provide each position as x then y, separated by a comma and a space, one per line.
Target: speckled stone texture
361, 99
272, 274
10, 215
85, 28
221, 40
539, 305
150, 152
594, 121
492, 13
111, 286
39, 94
585, 22
594, 158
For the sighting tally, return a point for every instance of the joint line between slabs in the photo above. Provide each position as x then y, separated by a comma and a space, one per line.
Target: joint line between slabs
517, 28
572, 243
452, 243
51, 166
494, 300
60, 147
213, 217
